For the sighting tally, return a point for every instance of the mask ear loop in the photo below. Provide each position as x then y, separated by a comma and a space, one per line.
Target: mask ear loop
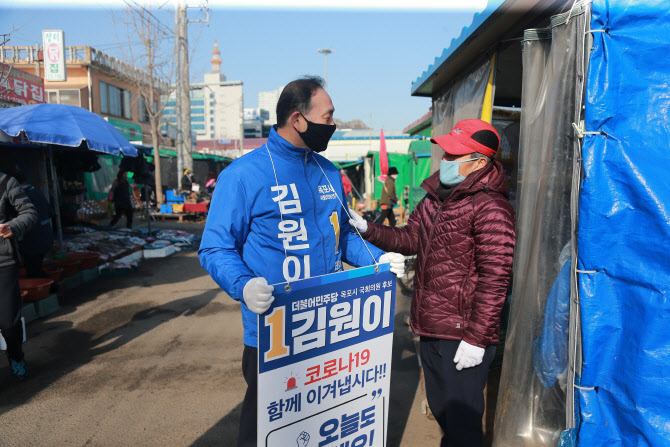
287, 287
346, 210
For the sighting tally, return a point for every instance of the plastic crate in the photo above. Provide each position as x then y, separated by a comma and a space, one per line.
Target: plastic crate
73, 281
28, 312
90, 274
47, 306
171, 197
166, 209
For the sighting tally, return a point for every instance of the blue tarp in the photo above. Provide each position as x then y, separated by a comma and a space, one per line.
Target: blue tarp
624, 229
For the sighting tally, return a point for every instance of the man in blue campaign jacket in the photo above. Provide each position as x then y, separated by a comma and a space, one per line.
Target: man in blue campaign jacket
276, 217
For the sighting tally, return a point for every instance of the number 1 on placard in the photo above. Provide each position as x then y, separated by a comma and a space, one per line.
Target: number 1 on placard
335, 222
278, 347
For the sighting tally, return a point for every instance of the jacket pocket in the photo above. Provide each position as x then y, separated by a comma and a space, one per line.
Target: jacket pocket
6, 249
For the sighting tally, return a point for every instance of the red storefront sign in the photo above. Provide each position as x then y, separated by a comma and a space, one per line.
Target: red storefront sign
19, 87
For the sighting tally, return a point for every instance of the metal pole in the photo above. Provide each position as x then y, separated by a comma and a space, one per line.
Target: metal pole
54, 186
185, 92
325, 52
147, 198
180, 137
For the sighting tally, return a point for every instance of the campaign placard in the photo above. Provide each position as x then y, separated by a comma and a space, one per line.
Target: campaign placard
324, 361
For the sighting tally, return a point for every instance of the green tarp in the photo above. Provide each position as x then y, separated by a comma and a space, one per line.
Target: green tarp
413, 169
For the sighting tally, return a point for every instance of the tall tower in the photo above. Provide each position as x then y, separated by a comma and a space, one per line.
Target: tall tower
216, 58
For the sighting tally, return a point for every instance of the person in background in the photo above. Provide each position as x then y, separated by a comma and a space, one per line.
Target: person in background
187, 180
248, 242
39, 240
463, 234
389, 198
120, 195
17, 217
210, 182
348, 187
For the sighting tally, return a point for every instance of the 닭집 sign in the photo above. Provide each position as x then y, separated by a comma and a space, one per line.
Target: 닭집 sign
324, 361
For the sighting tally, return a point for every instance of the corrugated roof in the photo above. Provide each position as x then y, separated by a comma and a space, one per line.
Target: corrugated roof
424, 119
477, 20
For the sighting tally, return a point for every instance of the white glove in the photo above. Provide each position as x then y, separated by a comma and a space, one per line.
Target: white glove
468, 355
397, 262
357, 221
258, 295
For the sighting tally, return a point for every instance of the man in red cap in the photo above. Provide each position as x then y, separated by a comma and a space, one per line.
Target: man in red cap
463, 234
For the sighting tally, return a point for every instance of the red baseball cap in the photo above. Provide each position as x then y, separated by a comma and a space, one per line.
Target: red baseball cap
470, 136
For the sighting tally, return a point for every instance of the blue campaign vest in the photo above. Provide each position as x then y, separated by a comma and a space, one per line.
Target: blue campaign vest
247, 235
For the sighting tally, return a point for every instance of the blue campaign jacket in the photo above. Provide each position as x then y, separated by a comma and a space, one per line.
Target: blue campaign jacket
245, 236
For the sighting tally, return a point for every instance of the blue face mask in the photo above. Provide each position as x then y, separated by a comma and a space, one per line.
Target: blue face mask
449, 175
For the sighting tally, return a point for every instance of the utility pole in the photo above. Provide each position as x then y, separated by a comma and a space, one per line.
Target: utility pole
325, 52
185, 91
177, 94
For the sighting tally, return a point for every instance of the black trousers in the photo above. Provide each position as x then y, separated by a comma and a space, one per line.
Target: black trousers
118, 212
33, 264
456, 398
10, 311
249, 416
388, 212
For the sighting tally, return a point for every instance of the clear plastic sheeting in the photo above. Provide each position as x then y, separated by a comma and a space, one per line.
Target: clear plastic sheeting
464, 99
99, 183
528, 412
624, 229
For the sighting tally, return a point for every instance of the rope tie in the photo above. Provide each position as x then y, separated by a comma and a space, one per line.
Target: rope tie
346, 210
581, 132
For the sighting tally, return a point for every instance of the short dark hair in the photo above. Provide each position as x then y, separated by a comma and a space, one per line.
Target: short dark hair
480, 155
297, 96
19, 176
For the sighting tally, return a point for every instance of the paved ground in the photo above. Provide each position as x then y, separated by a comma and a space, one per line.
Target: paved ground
153, 358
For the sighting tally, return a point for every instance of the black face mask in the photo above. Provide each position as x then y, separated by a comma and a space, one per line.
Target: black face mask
317, 136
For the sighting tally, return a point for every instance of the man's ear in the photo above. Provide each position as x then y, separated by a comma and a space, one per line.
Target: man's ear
296, 122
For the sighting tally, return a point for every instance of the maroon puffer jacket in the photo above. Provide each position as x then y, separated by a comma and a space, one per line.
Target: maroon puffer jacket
465, 247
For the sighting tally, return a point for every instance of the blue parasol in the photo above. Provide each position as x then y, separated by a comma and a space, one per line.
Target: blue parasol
65, 125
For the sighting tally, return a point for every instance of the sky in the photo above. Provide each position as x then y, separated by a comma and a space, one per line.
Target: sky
378, 51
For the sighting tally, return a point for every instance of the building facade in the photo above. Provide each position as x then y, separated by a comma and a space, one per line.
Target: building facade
217, 107
268, 101
97, 82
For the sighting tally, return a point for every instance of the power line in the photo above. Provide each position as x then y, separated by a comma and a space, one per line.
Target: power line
167, 31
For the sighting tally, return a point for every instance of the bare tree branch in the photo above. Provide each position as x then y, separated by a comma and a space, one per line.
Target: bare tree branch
155, 61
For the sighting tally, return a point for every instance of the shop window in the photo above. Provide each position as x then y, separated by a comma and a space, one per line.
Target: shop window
70, 97
104, 101
52, 97
143, 113
115, 101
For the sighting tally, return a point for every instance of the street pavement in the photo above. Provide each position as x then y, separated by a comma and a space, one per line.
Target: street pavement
154, 358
